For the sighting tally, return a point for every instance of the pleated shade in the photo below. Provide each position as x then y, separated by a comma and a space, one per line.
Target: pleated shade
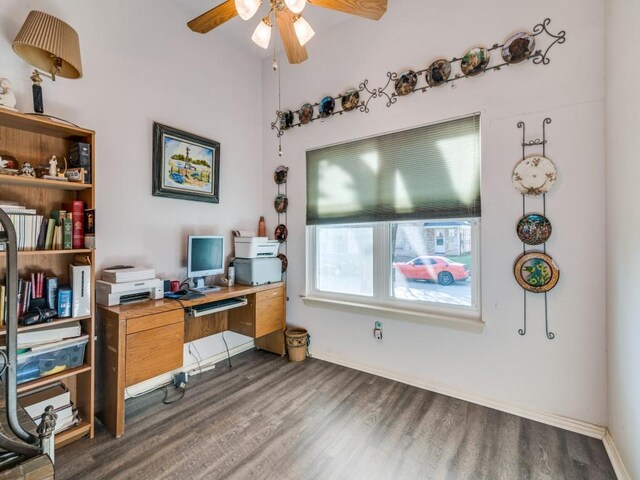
44, 36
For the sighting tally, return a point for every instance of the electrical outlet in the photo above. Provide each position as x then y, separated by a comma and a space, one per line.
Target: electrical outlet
377, 330
180, 379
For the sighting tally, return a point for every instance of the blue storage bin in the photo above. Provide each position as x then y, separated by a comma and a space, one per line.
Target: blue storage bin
51, 358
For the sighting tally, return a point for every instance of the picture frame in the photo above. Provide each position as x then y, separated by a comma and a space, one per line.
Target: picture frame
185, 166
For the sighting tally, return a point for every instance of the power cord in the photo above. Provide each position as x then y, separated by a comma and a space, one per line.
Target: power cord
227, 347
166, 395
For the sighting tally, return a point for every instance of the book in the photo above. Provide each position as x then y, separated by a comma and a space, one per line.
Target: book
67, 232
51, 226
64, 301
34, 403
57, 238
49, 334
76, 209
42, 234
51, 292
80, 278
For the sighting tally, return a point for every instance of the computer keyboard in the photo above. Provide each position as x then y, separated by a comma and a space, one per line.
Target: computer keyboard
217, 306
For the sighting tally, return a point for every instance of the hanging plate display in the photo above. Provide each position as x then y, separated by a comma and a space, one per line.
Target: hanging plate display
518, 47
286, 120
533, 229
327, 104
474, 61
536, 272
281, 233
406, 82
438, 72
305, 114
280, 174
281, 203
285, 262
350, 99
534, 175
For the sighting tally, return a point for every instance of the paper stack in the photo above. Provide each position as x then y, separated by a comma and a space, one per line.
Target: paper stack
129, 274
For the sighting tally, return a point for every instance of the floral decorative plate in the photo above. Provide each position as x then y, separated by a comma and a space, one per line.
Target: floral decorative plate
285, 262
536, 272
281, 233
406, 82
534, 175
281, 203
533, 229
438, 72
305, 114
350, 99
280, 174
286, 119
474, 61
518, 47
327, 104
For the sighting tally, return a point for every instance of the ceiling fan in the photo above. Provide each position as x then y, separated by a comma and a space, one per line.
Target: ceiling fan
294, 30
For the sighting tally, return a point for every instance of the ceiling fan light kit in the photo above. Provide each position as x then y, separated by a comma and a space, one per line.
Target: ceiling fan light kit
294, 30
262, 34
247, 8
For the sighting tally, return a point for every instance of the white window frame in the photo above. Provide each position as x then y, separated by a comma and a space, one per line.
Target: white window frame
382, 303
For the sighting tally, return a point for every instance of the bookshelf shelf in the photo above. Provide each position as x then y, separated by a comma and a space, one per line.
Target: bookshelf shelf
56, 377
55, 323
43, 183
34, 139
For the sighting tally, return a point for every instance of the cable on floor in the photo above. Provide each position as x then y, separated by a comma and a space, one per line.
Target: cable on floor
227, 347
166, 395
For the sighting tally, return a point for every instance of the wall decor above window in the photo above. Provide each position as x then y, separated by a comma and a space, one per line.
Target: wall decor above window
516, 49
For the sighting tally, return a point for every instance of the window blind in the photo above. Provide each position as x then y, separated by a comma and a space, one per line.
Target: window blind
426, 172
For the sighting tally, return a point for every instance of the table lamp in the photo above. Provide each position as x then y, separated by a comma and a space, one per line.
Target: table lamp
51, 45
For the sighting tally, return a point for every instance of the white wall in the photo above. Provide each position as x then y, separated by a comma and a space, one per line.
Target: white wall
142, 64
566, 376
623, 231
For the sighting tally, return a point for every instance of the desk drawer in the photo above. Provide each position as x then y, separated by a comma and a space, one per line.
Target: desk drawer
269, 294
269, 316
150, 353
148, 322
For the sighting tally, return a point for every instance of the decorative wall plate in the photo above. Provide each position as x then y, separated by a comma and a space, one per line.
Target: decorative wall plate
280, 174
406, 82
534, 175
286, 120
285, 262
327, 104
533, 229
281, 233
305, 114
518, 47
474, 61
438, 72
536, 272
350, 99
281, 203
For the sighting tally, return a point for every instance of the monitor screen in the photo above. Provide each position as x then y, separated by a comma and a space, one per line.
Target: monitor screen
205, 256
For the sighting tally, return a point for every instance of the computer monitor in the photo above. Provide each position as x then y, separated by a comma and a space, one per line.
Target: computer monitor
205, 257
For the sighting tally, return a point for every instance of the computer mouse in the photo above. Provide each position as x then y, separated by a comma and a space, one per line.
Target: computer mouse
180, 292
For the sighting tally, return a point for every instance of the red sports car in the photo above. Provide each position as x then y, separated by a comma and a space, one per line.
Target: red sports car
427, 267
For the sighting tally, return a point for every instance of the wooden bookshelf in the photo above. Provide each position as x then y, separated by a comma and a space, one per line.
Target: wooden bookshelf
33, 139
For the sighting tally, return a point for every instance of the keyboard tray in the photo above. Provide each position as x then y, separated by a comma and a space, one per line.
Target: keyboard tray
218, 306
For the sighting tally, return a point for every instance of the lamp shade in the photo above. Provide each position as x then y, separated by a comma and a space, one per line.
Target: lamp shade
262, 34
247, 8
304, 32
43, 37
296, 6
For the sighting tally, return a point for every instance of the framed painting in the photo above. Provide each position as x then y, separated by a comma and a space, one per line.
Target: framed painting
185, 166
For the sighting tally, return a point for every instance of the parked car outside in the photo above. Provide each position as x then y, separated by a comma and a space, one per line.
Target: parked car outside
434, 268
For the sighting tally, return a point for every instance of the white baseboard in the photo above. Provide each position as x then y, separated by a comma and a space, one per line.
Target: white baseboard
194, 369
566, 423
616, 460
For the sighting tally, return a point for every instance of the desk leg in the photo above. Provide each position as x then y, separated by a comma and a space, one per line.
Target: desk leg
272, 342
113, 345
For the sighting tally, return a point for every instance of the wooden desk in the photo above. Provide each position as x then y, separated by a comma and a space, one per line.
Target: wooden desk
141, 341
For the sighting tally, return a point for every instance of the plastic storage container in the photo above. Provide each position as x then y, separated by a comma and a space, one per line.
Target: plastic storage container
53, 358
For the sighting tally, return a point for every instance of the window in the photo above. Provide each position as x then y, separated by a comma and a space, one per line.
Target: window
393, 221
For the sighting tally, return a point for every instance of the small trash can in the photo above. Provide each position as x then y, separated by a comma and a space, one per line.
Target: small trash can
296, 343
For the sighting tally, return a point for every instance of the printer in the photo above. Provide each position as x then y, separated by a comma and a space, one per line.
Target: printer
110, 294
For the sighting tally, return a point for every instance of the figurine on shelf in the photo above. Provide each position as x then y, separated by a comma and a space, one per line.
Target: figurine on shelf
7, 97
8, 165
53, 166
27, 170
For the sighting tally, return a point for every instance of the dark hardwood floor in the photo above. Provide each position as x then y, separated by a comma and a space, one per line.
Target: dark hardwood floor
267, 418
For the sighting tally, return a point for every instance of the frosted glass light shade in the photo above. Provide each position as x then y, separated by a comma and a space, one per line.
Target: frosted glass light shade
304, 32
262, 34
247, 8
296, 6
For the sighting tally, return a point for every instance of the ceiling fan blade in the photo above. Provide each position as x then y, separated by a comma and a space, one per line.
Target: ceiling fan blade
372, 9
296, 53
214, 17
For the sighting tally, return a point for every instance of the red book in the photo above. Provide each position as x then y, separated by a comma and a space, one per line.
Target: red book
76, 208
